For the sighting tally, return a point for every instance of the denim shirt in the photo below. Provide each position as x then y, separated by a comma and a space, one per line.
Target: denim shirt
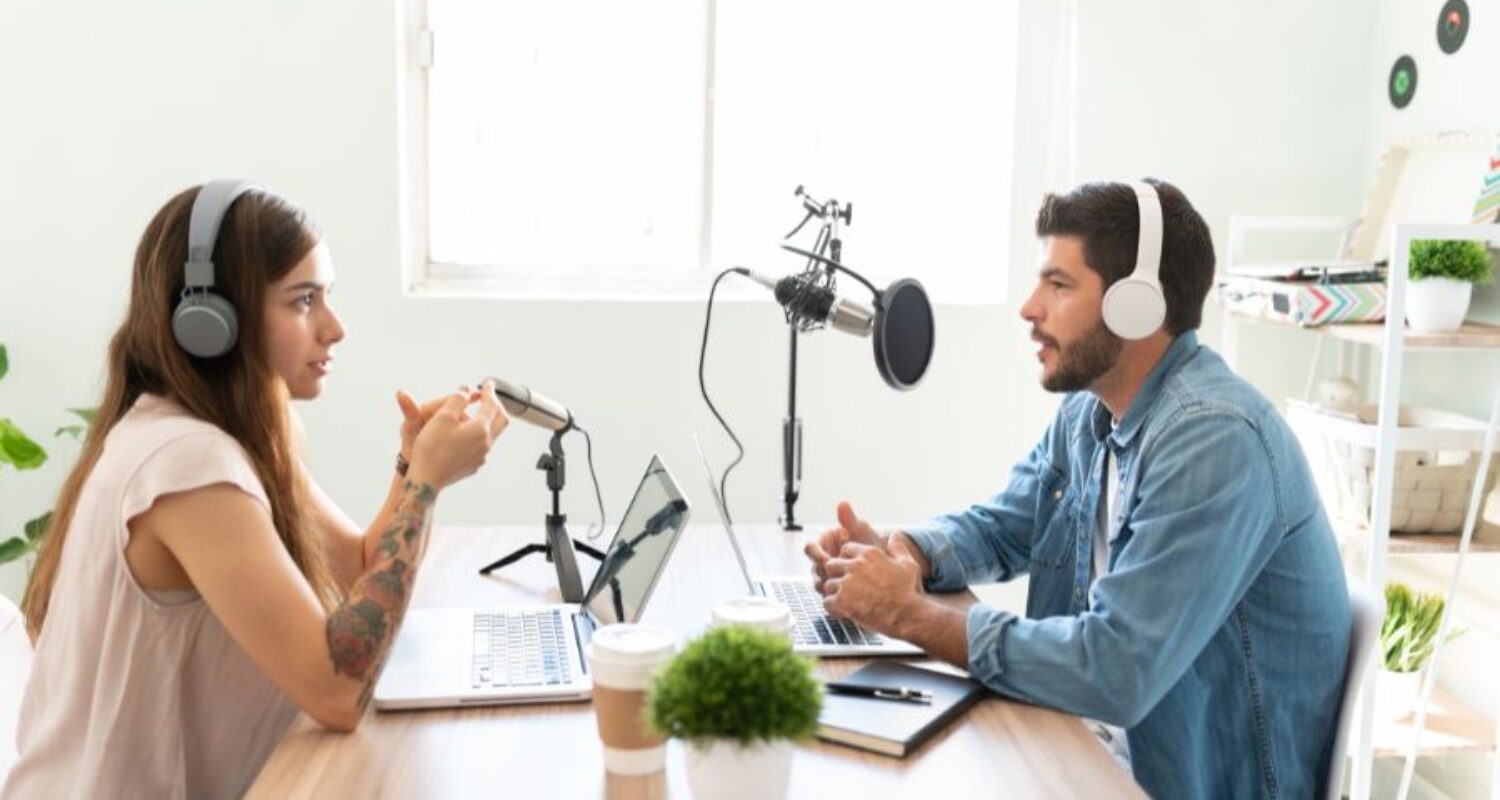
1218, 637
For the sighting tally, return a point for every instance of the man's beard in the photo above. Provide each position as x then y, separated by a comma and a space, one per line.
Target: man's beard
1081, 363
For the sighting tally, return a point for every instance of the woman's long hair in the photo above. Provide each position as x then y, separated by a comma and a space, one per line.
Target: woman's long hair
260, 240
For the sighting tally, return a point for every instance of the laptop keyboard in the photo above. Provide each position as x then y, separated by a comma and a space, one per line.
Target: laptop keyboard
521, 648
811, 625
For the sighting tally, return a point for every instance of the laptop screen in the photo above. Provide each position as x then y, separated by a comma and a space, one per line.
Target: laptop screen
635, 559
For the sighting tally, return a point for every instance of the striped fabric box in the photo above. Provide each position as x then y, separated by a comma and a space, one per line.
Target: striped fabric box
1304, 303
1487, 206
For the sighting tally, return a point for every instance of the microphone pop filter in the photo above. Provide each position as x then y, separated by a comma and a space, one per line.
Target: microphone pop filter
903, 334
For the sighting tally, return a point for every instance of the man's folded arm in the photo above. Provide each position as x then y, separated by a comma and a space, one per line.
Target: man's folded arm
988, 541
1205, 524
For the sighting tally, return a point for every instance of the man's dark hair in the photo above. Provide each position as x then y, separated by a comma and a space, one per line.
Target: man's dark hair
1107, 218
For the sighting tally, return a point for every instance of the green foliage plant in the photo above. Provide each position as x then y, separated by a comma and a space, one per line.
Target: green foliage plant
21, 452
1459, 260
1410, 628
736, 683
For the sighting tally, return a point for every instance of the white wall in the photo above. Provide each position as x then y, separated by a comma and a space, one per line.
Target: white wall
1455, 92
111, 107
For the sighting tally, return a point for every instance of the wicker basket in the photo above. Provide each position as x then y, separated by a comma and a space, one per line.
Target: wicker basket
1437, 458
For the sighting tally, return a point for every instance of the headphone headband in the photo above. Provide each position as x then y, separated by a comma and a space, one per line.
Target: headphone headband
1148, 240
209, 207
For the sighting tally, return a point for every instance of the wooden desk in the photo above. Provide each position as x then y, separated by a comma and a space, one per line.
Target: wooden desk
999, 746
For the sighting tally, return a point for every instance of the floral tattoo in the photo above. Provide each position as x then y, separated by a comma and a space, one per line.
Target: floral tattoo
360, 631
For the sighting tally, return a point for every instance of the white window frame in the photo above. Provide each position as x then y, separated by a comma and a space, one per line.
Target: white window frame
421, 276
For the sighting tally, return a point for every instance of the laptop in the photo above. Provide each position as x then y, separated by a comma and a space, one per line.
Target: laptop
814, 631
447, 657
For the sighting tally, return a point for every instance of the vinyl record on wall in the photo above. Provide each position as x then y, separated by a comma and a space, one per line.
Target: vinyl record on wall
1453, 25
1403, 81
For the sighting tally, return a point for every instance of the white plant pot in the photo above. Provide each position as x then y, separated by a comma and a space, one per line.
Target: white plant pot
1396, 693
1437, 305
724, 770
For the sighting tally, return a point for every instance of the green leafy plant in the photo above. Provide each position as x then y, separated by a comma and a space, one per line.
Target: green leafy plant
1459, 260
1410, 628
736, 683
21, 452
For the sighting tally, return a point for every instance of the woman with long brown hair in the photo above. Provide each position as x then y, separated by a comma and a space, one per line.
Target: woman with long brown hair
197, 589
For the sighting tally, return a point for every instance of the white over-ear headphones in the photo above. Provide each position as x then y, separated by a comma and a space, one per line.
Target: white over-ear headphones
1134, 306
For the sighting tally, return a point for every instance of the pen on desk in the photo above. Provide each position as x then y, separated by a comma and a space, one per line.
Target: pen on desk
898, 693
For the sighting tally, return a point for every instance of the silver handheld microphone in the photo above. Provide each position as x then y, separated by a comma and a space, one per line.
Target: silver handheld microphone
818, 304
524, 404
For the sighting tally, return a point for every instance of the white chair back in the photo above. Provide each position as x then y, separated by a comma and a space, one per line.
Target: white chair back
1367, 612
15, 668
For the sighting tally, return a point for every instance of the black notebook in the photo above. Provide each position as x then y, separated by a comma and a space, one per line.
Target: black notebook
890, 726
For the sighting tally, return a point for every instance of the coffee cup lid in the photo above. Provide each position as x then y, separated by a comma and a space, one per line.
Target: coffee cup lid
627, 644
752, 611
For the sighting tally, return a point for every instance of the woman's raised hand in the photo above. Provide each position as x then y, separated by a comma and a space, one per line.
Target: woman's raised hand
452, 444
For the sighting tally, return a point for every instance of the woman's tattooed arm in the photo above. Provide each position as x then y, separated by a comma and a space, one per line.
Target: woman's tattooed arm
361, 630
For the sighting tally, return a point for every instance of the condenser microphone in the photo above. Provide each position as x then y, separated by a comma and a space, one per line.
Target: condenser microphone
818, 304
539, 410
901, 323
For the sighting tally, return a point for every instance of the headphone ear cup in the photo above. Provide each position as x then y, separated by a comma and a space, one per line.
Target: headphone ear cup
1134, 308
205, 324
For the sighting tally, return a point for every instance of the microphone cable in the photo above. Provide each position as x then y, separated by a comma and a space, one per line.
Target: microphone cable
588, 440
815, 258
703, 387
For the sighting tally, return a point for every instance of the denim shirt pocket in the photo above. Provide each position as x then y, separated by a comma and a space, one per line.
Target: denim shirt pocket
1053, 532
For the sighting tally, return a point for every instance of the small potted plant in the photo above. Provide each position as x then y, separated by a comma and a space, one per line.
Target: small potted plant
1443, 274
1407, 636
738, 697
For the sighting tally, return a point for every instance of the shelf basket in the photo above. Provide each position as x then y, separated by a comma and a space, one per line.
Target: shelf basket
1437, 458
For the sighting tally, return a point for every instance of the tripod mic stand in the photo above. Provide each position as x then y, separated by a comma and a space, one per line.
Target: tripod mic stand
559, 546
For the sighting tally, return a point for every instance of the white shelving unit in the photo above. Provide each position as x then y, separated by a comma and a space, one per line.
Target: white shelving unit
1446, 726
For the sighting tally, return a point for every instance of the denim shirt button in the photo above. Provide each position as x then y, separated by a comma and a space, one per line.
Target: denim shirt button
1077, 592
1056, 495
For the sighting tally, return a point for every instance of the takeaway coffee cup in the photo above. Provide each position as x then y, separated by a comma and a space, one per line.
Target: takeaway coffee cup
765, 613
624, 659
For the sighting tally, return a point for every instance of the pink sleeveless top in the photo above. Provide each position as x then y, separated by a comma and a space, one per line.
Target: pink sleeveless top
135, 693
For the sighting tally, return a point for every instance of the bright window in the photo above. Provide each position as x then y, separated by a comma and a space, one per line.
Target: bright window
634, 148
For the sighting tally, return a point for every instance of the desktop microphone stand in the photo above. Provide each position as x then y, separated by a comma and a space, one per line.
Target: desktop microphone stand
791, 442
791, 426
559, 546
